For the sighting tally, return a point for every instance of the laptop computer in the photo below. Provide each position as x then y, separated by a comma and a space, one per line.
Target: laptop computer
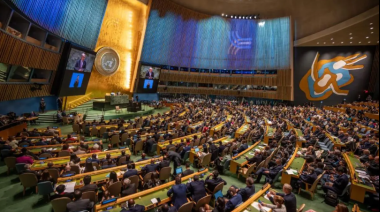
178, 170
218, 194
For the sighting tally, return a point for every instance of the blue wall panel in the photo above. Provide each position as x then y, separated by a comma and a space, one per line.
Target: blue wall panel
28, 105
177, 36
78, 21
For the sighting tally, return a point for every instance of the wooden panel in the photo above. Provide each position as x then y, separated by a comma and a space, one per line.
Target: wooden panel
262, 80
12, 131
22, 91
17, 52
211, 91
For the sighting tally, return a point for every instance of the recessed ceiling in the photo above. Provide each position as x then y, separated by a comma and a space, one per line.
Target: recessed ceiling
362, 30
309, 16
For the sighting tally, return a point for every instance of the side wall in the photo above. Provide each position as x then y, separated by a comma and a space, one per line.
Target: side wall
21, 106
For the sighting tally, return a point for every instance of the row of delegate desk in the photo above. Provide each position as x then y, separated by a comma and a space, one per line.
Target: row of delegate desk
162, 145
144, 197
101, 176
62, 161
358, 187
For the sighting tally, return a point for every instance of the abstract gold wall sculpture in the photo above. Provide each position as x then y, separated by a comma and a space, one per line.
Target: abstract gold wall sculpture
123, 28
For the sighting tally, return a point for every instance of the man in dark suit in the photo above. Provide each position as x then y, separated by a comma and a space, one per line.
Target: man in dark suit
309, 177
81, 64
248, 191
143, 157
269, 173
178, 193
128, 188
170, 145
258, 158
289, 198
165, 162
339, 183
243, 147
79, 204
133, 207
215, 181
188, 171
149, 74
176, 158
87, 185
130, 172
166, 208
197, 189
152, 167
234, 201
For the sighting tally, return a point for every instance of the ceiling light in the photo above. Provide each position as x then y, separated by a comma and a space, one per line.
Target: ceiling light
342, 42
324, 43
369, 41
360, 42
232, 16
371, 28
372, 32
333, 42
223, 14
332, 38
235, 16
318, 43
371, 24
351, 42
351, 38
367, 37
351, 33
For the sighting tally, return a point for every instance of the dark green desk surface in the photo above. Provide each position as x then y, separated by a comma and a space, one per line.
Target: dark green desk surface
247, 154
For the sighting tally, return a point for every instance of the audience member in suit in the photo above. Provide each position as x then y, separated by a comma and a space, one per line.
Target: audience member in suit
87, 185
197, 189
79, 204
121, 156
28, 170
60, 192
143, 157
188, 171
243, 147
215, 181
339, 182
319, 169
152, 167
176, 158
133, 207
234, 201
307, 178
170, 145
258, 158
269, 173
128, 188
178, 193
130, 172
373, 167
165, 162
248, 191
166, 208
289, 197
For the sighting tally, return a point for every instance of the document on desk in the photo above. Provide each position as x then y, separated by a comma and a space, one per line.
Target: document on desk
70, 187
256, 205
292, 172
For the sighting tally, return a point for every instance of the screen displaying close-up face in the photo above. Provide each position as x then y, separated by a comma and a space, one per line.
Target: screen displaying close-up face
149, 72
149, 78
80, 61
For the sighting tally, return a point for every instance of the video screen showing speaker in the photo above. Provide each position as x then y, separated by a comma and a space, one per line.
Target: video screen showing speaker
149, 78
78, 72
80, 61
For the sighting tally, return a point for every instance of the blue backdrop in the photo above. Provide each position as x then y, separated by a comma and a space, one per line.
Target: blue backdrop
75, 20
216, 42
